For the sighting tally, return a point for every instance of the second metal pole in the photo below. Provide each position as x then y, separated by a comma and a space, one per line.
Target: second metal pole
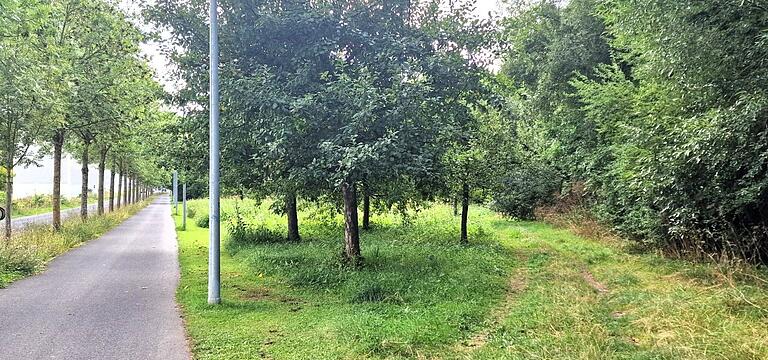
184, 206
175, 192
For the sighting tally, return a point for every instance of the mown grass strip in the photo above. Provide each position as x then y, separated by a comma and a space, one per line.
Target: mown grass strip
521, 290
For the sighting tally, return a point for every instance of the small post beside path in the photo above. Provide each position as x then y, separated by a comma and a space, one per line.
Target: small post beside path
176, 192
184, 206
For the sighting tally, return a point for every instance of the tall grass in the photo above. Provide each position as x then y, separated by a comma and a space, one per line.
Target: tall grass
40, 204
519, 290
29, 250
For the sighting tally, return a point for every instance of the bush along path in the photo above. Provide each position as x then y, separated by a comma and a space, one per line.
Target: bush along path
519, 290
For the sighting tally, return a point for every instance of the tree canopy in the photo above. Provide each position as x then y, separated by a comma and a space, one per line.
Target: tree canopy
73, 78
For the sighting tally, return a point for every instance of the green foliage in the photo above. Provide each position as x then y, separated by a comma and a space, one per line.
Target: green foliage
73, 80
521, 190
332, 93
242, 233
191, 211
668, 132
203, 221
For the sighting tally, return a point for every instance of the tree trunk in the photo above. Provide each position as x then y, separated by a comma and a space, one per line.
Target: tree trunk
112, 188
455, 207
8, 195
125, 190
464, 212
120, 190
351, 231
84, 185
366, 207
293, 217
58, 144
102, 168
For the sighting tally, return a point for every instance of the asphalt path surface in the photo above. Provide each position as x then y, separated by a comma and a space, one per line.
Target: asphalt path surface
47, 218
112, 298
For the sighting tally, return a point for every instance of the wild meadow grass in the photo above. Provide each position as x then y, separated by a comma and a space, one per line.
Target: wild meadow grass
520, 290
30, 249
41, 204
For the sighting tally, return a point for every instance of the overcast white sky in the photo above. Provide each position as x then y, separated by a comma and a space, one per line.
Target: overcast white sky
163, 67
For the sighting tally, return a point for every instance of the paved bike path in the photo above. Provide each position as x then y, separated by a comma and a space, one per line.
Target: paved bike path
112, 298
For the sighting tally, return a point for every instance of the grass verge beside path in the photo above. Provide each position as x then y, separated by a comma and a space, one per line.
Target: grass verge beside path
31, 248
41, 204
521, 290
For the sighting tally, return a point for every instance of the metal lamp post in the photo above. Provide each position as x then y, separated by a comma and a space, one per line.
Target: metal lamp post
214, 279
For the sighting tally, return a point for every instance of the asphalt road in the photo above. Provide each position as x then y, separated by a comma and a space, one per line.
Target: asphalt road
47, 218
112, 298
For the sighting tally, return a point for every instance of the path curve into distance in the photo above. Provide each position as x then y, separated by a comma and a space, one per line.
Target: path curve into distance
111, 298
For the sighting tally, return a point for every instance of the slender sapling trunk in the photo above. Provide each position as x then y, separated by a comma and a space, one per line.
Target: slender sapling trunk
125, 190
366, 207
8, 195
464, 212
293, 217
58, 144
112, 188
120, 190
84, 184
102, 168
351, 231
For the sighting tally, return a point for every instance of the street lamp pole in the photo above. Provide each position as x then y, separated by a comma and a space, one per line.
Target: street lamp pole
214, 280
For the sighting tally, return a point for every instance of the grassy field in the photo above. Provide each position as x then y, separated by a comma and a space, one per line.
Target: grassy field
29, 250
521, 290
41, 204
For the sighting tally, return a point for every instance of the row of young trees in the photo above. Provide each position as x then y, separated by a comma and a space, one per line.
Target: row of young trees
334, 101
657, 109
73, 81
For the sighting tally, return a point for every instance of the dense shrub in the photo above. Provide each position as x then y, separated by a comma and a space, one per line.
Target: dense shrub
668, 133
249, 234
242, 233
17, 259
202, 221
191, 211
686, 136
525, 188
